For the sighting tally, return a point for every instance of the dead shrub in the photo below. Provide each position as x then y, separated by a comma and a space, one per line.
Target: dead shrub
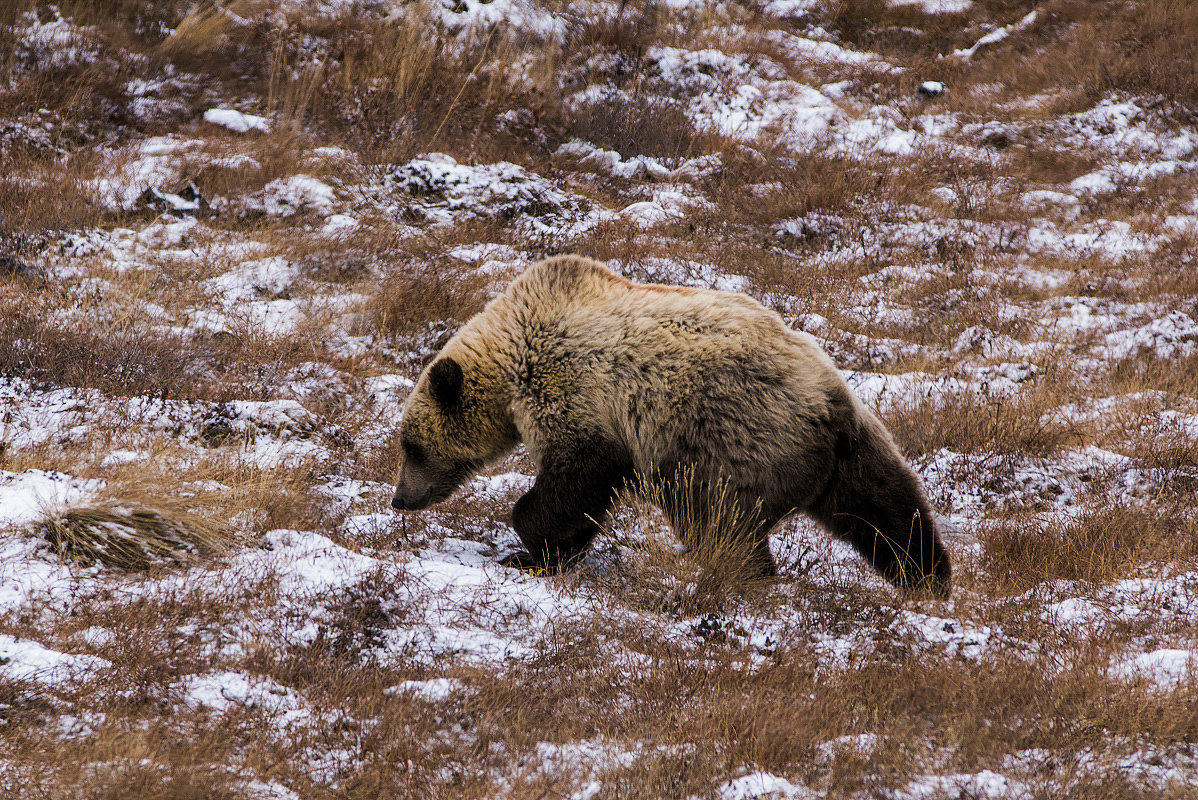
412, 299
637, 124
201, 28
155, 761
1039, 161
10, 15
40, 191
244, 166
133, 21
895, 29
59, 203
1146, 371
127, 360
76, 102
1081, 51
134, 536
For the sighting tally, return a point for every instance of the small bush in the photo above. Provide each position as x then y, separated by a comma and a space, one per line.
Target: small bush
638, 124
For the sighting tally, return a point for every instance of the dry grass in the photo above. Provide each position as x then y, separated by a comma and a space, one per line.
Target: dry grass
1101, 544
1004, 427
39, 193
696, 559
259, 500
120, 362
1141, 48
133, 357
441, 293
639, 124
397, 89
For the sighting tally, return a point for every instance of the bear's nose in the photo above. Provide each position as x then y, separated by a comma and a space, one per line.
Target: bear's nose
405, 502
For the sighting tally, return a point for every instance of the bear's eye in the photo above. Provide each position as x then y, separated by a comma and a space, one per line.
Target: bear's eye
414, 452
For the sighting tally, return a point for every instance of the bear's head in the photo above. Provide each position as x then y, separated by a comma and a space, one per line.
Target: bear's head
454, 422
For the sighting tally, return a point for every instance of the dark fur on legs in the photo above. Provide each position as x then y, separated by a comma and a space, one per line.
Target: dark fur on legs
560, 515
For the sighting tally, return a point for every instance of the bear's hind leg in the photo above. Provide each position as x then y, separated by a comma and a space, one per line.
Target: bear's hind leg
876, 503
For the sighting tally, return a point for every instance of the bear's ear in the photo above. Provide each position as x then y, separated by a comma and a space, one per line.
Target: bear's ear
445, 382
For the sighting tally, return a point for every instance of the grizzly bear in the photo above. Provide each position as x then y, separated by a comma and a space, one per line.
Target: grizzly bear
614, 386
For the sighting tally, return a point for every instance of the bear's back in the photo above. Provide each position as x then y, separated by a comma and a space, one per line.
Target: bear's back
656, 362
564, 287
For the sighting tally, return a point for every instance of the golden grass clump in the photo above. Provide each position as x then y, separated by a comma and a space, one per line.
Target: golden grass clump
205, 26
133, 536
406, 303
719, 558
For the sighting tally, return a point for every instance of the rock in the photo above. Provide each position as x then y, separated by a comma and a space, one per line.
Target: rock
186, 203
932, 88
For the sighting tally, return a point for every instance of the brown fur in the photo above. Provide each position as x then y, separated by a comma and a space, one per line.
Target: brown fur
611, 384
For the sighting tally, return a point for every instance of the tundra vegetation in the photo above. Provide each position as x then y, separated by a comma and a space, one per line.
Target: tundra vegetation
231, 234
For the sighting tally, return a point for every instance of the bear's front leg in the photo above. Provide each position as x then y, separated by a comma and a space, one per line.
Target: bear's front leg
560, 515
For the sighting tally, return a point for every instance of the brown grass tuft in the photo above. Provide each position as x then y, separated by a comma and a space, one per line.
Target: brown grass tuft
640, 124
718, 558
206, 26
977, 423
411, 300
133, 536
1145, 47
121, 361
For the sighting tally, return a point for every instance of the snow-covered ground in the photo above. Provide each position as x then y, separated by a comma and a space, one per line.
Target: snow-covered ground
1006, 276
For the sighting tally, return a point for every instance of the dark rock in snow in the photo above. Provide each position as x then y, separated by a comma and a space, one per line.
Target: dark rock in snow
932, 88
15, 268
186, 203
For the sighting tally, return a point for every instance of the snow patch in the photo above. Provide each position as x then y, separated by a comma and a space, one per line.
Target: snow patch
236, 121
764, 785
26, 660
435, 690
935, 6
30, 496
1166, 669
295, 195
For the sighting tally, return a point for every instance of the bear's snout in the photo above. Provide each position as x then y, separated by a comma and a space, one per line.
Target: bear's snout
407, 503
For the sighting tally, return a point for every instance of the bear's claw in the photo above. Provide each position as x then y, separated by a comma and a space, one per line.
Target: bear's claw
540, 567
525, 562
